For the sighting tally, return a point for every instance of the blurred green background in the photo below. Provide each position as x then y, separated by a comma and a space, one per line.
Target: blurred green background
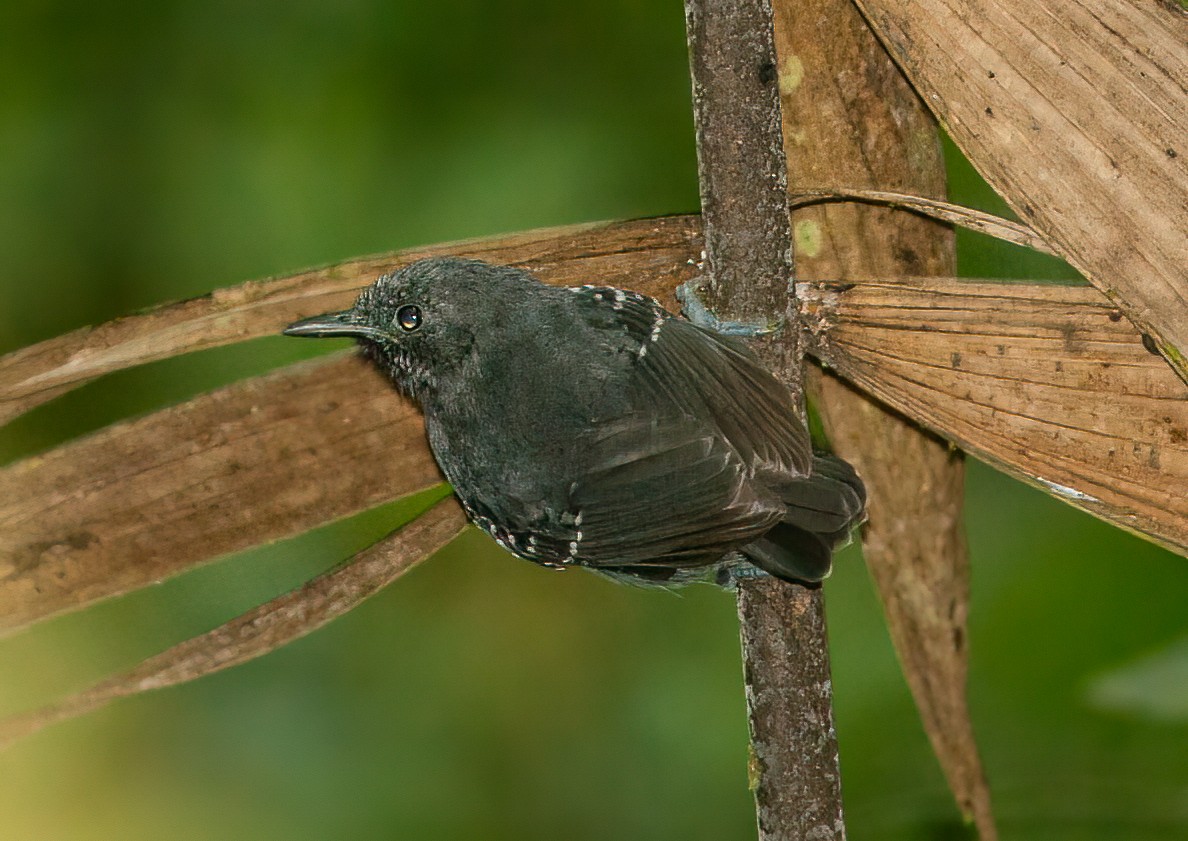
151, 151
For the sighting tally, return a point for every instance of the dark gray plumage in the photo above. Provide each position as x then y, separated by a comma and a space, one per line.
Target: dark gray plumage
590, 427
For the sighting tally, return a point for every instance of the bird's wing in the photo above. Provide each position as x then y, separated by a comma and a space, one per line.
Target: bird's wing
664, 491
707, 375
672, 479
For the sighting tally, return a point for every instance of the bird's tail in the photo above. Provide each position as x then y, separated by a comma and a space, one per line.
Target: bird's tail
822, 511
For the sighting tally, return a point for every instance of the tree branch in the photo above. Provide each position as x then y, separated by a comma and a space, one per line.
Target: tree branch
742, 171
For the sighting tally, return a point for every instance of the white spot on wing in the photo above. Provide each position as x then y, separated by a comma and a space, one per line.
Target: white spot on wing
658, 315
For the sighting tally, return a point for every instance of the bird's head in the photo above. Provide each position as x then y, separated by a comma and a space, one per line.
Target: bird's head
421, 323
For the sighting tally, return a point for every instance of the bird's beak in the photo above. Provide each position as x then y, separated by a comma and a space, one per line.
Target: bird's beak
345, 323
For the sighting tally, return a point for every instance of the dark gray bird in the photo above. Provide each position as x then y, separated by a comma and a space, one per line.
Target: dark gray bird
587, 426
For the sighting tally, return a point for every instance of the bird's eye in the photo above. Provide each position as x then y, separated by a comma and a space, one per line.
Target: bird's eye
408, 317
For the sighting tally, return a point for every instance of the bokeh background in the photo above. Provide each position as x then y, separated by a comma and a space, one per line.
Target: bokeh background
151, 151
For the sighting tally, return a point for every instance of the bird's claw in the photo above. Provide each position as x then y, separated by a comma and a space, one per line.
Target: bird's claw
734, 569
689, 294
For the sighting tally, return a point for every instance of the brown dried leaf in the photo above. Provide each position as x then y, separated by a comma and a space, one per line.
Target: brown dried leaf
1048, 382
1074, 111
849, 116
914, 547
146, 499
265, 628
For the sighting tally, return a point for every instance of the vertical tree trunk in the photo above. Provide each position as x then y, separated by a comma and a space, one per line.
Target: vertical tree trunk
742, 172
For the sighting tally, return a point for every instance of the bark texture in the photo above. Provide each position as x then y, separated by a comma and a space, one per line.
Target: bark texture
741, 165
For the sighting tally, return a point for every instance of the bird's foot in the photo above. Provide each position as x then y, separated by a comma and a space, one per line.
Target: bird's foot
735, 568
689, 294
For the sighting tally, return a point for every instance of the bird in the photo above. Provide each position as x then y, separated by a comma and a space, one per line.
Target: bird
589, 427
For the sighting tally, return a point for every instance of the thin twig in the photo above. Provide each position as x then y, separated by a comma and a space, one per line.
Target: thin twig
943, 211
